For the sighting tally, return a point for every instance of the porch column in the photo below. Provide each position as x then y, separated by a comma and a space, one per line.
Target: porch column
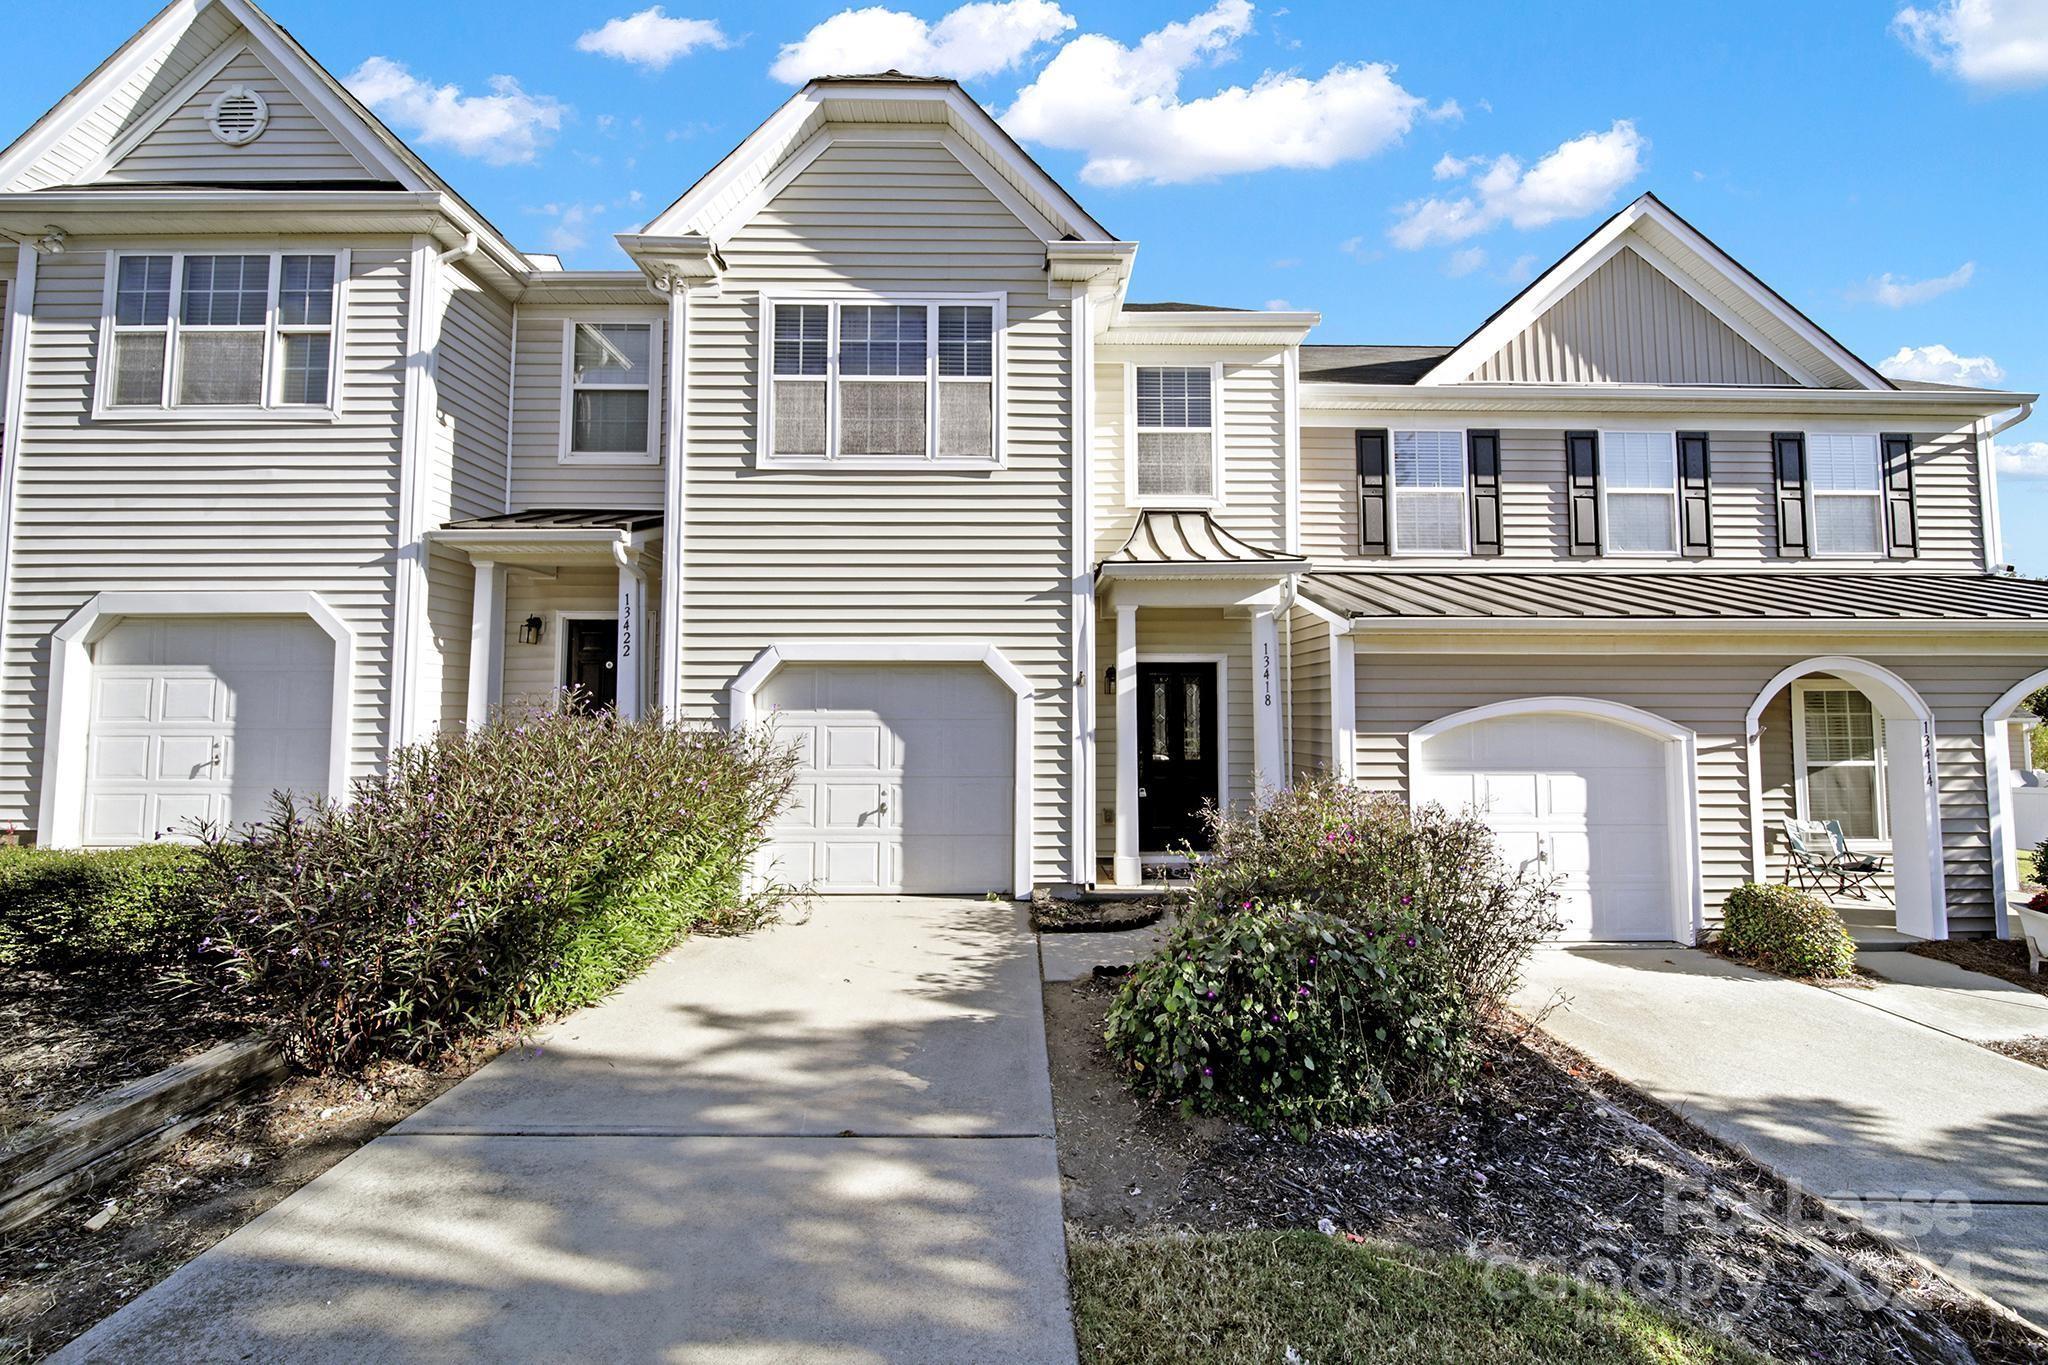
486, 642
1125, 869
1343, 706
1268, 762
632, 636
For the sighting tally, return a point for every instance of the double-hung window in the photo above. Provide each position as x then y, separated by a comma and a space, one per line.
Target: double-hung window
229, 332
1838, 757
1429, 492
612, 369
1844, 474
1175, 459
882, 382
1641, 488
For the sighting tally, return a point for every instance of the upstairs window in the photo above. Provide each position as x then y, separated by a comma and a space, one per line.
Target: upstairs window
236, 332
1848, 494
1176, 455
1429, 492
1641, 489
609, 391
881, 384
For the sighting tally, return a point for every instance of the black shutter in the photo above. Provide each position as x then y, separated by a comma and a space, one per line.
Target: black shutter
1582, 490
1373, 476
1898, 496
1695, 496
1482, 457
1788, 458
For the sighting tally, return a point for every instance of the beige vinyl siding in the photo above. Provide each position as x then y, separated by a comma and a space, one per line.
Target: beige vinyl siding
534, 672
1308, 677
540, 477
1629, 323
1709, 694
1252, 501
152, 506
294, 144
1947, 507
1172, 631
864, 556
66, 161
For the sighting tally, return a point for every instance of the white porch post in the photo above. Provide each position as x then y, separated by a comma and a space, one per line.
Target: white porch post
1126, 870
1268, 762
632, 620
1343, 706
486, 642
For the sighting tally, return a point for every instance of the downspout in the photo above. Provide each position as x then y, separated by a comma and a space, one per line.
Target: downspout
460, 253
1987, 474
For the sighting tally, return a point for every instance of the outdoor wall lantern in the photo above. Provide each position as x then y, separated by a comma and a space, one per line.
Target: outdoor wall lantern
1109, 679
530, 632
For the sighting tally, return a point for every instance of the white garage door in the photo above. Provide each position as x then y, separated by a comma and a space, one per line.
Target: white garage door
202, 719
905, 781
1580, 799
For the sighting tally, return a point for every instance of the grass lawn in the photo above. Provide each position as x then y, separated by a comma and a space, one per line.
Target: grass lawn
1287, 1297
2029, 874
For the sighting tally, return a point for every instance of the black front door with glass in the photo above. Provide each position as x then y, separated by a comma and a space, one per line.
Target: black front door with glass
1177, 736
591, 664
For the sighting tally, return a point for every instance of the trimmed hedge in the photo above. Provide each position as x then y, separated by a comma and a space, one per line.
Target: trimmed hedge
488, 880
117, 910
1785, 930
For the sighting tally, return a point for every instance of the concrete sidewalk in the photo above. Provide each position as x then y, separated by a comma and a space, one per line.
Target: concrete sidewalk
828, 1141
1860, 1096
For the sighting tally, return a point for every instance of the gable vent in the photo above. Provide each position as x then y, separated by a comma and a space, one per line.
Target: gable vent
238, 115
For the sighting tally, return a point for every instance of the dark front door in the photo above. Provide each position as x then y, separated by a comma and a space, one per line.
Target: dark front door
1177, 735
592, 670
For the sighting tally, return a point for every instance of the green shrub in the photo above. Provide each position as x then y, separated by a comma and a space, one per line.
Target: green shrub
1367, 857
489, 879
1289, 1015
1785, 930
113, 910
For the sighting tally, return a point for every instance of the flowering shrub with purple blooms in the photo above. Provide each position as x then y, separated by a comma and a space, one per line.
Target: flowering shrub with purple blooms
1283, 1014
1368, 858
488, 879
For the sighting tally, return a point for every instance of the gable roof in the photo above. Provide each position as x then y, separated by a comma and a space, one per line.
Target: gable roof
1369, 364
733, 189
1709, 276
152, 75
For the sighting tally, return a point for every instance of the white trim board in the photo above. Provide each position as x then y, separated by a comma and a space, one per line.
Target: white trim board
744, 687
61, 815
2005, 872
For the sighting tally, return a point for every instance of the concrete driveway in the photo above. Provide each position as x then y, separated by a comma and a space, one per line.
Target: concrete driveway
1879, 1100
828, 1141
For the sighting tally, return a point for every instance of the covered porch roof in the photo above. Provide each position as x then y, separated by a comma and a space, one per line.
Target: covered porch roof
1171, 543
552, 534
1675, 599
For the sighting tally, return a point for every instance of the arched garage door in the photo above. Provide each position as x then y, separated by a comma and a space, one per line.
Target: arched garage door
906, 779
199, 718
1584, 799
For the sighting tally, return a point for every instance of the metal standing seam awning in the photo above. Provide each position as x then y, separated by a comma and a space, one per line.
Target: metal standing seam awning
1694, 598
551, 535
1175, 542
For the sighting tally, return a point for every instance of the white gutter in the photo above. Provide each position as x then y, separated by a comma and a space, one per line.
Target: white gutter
1987, 480
1731, 625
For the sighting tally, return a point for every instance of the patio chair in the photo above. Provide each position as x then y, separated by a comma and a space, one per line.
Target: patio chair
1808, 856
1856, 871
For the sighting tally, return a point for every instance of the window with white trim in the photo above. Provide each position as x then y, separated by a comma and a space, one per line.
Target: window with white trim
880, 382
1175, 459
613, 367
246, 331
1640, 484
1845, 477
1838, 757
1429, 492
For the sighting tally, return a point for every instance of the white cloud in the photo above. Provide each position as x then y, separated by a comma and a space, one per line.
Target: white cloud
1937, 364
651, 39
1278, 305
1464, 261
1122, 107
1450, 167
977, 39
1577, 178
1522, 268
504, 127
1893, 291
2023, 459
1985, 42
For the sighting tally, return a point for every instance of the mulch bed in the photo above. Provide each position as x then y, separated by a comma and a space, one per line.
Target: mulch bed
1051, 916
2033, 1051
1528, 1165
64, 1039
58, 1277
2005, 958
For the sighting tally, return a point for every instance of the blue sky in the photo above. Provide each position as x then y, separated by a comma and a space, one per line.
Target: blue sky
1401, 169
